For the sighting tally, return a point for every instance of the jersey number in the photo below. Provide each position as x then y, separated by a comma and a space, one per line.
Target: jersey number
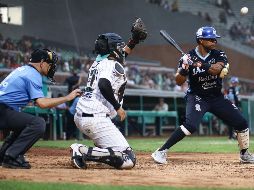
92, 77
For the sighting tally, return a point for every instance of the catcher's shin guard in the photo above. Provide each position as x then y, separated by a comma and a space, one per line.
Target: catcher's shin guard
115, 159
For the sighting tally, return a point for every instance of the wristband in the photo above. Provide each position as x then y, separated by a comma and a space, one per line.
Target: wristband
132, 43
184, 72
206, 66
117, 106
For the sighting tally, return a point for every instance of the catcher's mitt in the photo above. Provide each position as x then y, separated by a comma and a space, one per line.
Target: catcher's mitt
138, 30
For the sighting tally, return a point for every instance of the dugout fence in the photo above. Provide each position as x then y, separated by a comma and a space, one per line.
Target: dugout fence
247, 105
145, 100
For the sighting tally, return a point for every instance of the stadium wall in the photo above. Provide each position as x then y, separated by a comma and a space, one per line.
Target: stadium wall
78, 23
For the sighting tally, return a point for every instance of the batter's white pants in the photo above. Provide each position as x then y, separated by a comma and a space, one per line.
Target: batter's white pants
102, 131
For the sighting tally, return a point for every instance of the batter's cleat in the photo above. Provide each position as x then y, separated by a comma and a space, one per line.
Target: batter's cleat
77, 157
246, 158
15, 163
160, 157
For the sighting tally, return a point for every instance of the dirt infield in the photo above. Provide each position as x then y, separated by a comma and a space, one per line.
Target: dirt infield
183, 170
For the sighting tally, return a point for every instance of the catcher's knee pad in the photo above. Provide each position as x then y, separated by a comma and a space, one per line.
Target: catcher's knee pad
114, 159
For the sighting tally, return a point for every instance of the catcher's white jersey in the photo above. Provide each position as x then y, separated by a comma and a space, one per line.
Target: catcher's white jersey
100, 127
92, 101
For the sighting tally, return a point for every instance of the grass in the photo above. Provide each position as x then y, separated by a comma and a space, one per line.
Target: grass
17, 185
188, 144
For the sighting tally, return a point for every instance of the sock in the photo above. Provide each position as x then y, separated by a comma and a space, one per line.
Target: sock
243, 151
177, 135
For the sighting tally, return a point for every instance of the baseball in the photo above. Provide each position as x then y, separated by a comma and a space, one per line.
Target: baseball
244, 10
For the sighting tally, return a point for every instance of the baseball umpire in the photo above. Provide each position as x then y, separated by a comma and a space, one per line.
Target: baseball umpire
16, 90
102, 101
232, 94
206, 67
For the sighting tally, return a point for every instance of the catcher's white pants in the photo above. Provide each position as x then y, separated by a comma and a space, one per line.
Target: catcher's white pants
102, 131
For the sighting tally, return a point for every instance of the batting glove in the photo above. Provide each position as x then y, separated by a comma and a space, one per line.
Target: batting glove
224, 71
187, 59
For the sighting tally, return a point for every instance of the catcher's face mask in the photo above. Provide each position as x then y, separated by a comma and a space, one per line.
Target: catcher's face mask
119, 53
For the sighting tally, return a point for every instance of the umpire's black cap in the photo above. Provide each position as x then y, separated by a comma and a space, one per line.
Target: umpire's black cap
38, 55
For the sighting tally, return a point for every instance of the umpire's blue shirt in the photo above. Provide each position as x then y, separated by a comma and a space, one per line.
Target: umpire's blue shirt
20, 86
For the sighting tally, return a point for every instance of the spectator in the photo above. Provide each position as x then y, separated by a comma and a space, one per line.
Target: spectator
72, 131
227, 7
232, 94
174, 6
218, 3
165, 4
61, 109
161, 106
88, 64
66, 66
223, 17
207, 17
148, 82
73, 81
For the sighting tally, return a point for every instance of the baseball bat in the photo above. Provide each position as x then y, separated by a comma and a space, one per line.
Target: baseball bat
169, 39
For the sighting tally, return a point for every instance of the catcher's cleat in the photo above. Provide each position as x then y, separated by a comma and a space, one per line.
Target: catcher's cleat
246, 158
160, 157
76, 156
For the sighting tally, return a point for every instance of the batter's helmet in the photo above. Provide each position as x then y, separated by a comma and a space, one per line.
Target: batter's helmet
206, 32
108, 43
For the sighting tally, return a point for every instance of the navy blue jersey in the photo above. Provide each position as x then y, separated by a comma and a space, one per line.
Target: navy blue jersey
201, 82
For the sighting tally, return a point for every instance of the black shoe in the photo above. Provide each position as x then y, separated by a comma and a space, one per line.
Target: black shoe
1, 159
18, 163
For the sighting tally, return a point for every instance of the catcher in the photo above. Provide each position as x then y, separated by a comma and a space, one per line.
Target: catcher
102, 100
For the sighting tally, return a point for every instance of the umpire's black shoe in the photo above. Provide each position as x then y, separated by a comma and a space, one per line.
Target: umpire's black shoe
18, 163
1, 159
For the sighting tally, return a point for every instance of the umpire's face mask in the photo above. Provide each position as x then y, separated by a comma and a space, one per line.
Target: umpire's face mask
51, 72
52, 63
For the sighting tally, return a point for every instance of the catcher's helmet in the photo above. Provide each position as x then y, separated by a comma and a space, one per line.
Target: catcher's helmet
206, 32
110, 43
